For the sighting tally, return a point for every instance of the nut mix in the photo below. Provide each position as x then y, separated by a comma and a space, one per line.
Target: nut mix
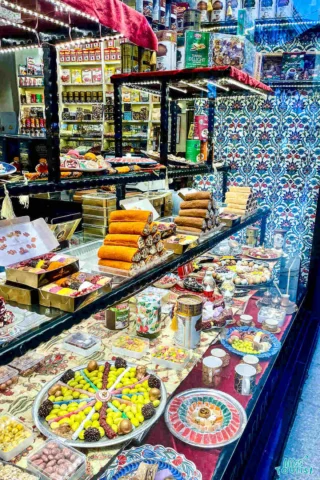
10, 472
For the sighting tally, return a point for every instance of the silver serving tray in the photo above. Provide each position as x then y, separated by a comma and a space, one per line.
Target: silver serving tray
193, 392
44, 428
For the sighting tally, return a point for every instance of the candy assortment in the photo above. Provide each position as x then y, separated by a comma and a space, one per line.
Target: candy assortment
131, 346
261, 253
170, 357
108, 400
57, 462
43, 263
27, 365
14, 437
252, 341
75, 285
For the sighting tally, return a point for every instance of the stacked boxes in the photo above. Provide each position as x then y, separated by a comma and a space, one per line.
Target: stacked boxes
96, 210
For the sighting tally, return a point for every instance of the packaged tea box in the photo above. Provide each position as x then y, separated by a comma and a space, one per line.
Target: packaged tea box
196, 49
292, 66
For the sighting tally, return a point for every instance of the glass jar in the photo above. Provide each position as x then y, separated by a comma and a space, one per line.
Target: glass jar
208, 284
227, 288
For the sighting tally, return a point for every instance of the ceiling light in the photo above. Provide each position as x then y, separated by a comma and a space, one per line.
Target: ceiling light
245, 87
211, 82
178, 89
17, 8
195, 86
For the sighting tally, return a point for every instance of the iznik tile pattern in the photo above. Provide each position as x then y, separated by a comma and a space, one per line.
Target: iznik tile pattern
273, 145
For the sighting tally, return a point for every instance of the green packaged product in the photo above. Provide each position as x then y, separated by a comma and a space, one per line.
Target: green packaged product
197, 49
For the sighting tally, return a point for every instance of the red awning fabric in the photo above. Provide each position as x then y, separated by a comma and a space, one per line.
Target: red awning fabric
206, 72
118, 16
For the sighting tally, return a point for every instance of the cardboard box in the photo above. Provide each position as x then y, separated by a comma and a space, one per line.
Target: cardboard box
180, 243
100, 200
312, 66
19, 294
71, 304
292, 66
271, 67
232, 50
196, 49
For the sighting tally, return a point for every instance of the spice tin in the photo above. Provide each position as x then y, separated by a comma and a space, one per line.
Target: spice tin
129, 57
189, 317
191, 19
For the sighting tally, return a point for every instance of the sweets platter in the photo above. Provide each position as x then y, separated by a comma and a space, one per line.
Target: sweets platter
178, 413
43, 426
275, 344
155, 454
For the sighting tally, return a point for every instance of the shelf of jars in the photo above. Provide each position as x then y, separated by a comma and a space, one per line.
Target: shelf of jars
56, 321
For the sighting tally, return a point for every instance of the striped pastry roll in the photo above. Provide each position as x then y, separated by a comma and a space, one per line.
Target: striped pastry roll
117, 264
160, 246
122, 254
130, 228
135, 241
149, 241
154, 228
153, 250
144, 253
156, 237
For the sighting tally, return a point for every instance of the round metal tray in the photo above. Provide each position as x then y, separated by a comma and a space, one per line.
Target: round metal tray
219, 396
44, 428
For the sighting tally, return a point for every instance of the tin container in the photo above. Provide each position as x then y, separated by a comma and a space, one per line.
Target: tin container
129, 57
252, 235
189, 317
167, 50
191, 20
117, 317
147, 6
99, 200
145, 57
148, 320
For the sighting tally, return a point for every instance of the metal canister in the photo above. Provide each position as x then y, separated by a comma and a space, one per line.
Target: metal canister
252, 235
167, 50
148, 319
189, 319
129, 57
191, 20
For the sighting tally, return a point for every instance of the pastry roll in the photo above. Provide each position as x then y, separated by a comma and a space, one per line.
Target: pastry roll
203, 204
190, 230
135, 241
191, 222
159, 246
123, 254
194, 212
118, 264
154, 228
240, 189
149, 241
156, 237
152, 250
144, 253
131, 216
130, 228
198, 196
234, 210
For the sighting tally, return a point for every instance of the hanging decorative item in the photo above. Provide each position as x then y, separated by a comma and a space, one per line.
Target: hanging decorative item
7, 211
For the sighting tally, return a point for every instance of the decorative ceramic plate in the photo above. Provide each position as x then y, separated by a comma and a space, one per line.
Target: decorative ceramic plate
44, 427
275, 344
128, 462
263, 254
6, 169
205, 418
